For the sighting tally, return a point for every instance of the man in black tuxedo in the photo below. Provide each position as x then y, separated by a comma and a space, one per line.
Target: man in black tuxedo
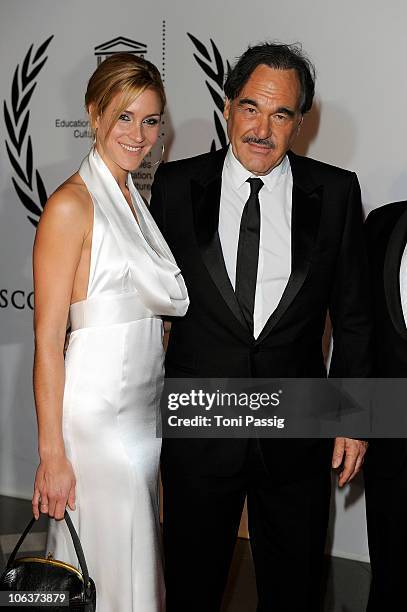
267, 242
386, 466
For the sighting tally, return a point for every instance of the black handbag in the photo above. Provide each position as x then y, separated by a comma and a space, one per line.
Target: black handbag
48, 575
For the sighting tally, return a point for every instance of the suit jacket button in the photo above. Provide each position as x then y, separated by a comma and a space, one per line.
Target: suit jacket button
255, 350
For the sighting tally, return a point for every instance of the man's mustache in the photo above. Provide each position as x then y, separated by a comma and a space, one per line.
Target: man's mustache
264, 142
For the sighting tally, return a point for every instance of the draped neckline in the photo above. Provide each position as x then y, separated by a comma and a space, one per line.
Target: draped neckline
152, 265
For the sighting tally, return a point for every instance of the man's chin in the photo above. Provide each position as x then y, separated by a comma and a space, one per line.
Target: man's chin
257, 163
260, 169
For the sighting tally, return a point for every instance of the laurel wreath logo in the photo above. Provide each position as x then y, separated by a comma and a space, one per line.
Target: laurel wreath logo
19, 145
215, 71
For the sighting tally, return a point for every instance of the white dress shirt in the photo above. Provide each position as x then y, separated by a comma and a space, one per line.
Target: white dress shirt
403, 284
275, 198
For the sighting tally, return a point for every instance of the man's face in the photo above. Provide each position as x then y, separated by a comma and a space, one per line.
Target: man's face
264, 119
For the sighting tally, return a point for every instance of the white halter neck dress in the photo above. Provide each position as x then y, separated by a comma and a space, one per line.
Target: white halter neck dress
113, 382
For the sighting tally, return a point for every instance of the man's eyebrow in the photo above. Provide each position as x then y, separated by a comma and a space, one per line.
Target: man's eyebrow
244, 101
286, 111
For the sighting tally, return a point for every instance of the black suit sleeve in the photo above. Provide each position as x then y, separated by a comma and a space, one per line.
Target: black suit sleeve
349, 301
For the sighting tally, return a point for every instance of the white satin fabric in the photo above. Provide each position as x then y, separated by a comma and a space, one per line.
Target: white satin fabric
113, 382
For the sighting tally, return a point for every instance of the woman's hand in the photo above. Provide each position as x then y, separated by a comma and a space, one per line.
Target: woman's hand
54, 487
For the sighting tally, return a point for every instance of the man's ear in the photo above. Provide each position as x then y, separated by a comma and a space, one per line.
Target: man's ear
226, 110
300, 124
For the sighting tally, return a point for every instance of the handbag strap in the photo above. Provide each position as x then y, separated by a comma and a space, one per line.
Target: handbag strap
76, 542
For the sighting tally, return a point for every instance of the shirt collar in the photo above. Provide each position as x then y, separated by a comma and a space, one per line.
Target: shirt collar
239, 174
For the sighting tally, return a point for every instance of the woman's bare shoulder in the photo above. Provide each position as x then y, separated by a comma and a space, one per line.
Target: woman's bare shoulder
72, 190
70, 200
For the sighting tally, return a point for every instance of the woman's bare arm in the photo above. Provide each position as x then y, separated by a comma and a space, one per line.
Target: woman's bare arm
58, 250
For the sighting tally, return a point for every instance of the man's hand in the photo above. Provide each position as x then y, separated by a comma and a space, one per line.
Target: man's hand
350, 453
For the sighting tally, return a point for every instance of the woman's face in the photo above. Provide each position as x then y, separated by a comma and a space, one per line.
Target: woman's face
134, 133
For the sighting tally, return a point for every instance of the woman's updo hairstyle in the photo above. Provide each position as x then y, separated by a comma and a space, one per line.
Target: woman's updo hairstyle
121, 73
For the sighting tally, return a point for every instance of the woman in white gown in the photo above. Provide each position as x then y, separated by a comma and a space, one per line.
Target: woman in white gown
100, 260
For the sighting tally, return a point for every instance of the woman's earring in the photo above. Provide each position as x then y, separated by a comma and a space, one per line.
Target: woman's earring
161, 157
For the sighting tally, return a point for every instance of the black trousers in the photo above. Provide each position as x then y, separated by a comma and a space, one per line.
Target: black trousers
287, 523
386, 512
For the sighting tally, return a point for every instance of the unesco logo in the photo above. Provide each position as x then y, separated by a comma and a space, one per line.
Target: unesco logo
120, 44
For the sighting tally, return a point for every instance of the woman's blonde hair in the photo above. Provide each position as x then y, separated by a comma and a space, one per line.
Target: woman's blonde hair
121, 73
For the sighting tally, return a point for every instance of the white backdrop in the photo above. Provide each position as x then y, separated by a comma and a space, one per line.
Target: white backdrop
359, 49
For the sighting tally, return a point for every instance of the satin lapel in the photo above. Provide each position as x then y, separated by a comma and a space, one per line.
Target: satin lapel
391, 274
305, 217
206, 199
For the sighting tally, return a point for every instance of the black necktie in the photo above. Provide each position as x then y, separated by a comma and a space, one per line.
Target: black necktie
248, 252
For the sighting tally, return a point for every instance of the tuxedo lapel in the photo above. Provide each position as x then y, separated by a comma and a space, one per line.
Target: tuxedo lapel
305, 218
306, 212
391, 274
206, 202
